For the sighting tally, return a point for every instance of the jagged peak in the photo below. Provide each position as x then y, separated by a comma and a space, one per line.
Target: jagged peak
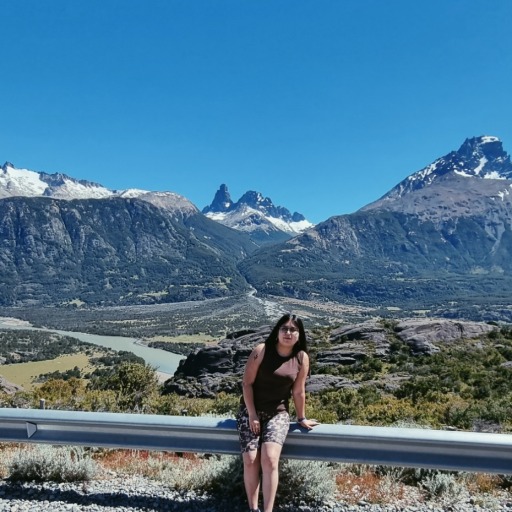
221, 202
255, 199
254, 212
480, 157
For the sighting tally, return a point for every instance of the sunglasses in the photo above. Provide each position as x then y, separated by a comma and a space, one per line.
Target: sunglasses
291, 330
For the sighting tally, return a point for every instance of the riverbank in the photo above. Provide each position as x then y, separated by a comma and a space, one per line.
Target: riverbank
163, 361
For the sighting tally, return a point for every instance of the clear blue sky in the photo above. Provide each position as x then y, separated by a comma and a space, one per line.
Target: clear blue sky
323, 106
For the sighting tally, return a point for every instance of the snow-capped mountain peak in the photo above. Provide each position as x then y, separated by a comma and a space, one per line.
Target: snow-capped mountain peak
479, 157
23, 182
26, 183
221, 202
255, 214
460, 183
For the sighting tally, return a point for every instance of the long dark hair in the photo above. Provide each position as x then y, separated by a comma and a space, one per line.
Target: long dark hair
301, 344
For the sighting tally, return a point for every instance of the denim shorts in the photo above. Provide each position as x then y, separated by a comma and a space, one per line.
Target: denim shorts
274, 429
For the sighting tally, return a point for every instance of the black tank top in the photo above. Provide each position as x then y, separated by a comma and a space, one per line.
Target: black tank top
274, 380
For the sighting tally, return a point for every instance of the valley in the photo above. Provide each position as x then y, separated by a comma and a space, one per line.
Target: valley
212, 318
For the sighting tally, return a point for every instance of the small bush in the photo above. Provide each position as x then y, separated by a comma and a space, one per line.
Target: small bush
199, 474
305, 482
439, 484
44, 463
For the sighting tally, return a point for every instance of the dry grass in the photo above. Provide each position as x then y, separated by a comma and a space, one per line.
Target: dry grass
372, 488
143, 462
23, 374
484, 482
7, 452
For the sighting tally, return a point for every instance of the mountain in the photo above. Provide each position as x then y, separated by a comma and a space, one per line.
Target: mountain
16, 182
439, 242
472, 180
66, 241
256, 215
443, 235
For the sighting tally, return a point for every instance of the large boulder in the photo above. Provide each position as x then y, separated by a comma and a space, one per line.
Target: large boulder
424, 336
318, 383
210, 370
370, 338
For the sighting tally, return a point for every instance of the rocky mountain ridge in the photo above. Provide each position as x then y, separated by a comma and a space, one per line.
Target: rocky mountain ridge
472, 180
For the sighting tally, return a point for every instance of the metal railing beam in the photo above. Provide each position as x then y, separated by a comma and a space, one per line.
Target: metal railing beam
407, 447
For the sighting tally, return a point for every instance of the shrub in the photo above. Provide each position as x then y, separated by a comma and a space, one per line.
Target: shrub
439, 483
43, 463
300, 482
136, 386
207, 474
306, 482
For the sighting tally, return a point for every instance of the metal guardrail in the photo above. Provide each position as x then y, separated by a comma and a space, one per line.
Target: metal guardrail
407, 447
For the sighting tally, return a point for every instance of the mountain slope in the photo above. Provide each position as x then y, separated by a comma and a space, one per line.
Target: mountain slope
443, 234
256, 215
112, 251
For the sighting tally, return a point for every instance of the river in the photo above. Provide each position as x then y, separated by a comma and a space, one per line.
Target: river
164, 362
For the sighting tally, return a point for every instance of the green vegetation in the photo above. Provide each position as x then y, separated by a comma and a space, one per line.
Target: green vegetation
467, 384
20, 346
176, 347
43, 463
30, 357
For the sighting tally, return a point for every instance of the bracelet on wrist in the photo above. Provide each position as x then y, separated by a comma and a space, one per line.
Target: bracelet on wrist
300, 420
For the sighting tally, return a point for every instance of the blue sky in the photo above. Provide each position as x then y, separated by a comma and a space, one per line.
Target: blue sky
323, 106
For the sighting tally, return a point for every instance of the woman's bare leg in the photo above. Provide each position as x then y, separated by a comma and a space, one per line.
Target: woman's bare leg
270, 454
252, 466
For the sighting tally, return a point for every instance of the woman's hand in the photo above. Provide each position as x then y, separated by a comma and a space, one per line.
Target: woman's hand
254, 423
309, 424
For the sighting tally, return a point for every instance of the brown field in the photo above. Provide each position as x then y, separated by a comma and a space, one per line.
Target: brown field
24, 373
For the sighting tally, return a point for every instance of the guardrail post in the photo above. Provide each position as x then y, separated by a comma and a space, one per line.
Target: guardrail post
42, 403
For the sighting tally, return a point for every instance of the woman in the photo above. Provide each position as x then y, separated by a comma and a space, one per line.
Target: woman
275, 370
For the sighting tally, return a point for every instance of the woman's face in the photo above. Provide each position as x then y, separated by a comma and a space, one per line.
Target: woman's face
288, 334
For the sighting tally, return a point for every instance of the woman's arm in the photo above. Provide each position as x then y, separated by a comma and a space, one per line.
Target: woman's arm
299, 394
250, 372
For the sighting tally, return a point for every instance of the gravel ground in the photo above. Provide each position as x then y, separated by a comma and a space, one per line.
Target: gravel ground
135, 493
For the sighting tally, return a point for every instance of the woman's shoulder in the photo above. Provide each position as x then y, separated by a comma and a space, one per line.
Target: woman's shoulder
259, 348
302, 356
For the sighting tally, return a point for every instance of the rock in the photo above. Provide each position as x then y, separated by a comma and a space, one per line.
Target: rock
422, 335
8, 387
317, 383
210, 370
343, 355
216, 359
372, 338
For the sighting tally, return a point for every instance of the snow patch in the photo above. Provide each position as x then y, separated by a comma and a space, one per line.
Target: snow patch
481, 165
489, 138
21, 182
